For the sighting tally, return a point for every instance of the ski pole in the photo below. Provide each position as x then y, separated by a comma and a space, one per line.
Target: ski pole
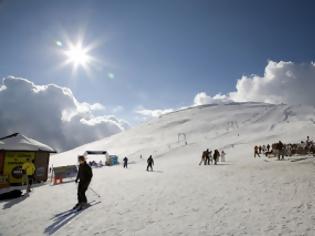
94, 192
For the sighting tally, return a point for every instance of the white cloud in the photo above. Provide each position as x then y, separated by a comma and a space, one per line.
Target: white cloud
152, 113
52, 114
282, 82
202, 99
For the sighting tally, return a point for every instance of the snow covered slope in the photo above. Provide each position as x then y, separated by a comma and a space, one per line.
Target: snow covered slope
213, 126
243, 196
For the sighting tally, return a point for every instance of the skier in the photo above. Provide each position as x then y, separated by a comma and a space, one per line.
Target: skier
223, 156
207, 158
260, 149
203, 157
281, 150
125, 162
28, 169
216, 156
289, 149
150, 163
84, 175
256, 151
268, 147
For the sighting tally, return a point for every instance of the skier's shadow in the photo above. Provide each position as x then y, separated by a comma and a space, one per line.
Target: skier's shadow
62, 219
12, 202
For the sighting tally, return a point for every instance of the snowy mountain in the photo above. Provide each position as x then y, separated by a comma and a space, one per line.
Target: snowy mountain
243, 195
208, 126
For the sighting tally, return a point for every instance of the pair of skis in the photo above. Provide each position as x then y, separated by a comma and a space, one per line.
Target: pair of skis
76, 209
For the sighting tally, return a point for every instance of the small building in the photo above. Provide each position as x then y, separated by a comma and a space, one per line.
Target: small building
110, 160
15, 149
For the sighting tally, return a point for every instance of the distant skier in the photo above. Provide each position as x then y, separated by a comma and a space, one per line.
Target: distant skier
268, 148
203, 157
256, 151
223, 156
281, 150
125, 162
28, 169
260, 149
207, 158
216, 156
150, 162
84, 175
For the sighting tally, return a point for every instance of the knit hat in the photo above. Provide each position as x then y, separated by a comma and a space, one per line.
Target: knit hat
81, 158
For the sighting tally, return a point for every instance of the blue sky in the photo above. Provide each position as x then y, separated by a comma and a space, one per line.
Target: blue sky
162, 53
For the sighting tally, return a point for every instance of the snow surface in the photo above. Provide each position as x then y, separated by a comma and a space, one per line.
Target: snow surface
243, 196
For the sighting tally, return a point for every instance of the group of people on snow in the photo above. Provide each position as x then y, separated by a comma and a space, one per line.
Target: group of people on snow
261, 149
267, 150
150, 162
208, 158
280, 149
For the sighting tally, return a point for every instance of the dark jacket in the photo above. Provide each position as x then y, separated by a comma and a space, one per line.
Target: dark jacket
150, 161
84, 174
125, 159
280, 146
216, 154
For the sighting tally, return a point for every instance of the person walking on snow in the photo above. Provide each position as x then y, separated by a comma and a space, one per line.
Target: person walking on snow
223, 156
203, 157
216, 156
207, 158
268, 148
125, 162
256, 151
150, 163
28, 169
84, 177
281, 150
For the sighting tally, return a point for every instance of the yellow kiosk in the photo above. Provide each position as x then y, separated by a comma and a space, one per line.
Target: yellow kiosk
15, 149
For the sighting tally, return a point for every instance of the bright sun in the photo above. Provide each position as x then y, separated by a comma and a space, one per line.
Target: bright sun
77, 55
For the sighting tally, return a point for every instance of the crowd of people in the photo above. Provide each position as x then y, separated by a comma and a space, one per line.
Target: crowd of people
208, 158
262, 149
280, 149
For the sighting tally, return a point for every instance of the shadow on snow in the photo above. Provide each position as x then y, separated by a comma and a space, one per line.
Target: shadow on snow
63, 218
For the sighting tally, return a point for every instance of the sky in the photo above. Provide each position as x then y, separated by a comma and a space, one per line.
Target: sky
147, 58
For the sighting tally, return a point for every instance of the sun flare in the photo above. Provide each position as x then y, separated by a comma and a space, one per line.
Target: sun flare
77, 55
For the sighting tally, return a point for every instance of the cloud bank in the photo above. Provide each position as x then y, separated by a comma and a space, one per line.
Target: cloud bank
52, 114
282, 82
152, 113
